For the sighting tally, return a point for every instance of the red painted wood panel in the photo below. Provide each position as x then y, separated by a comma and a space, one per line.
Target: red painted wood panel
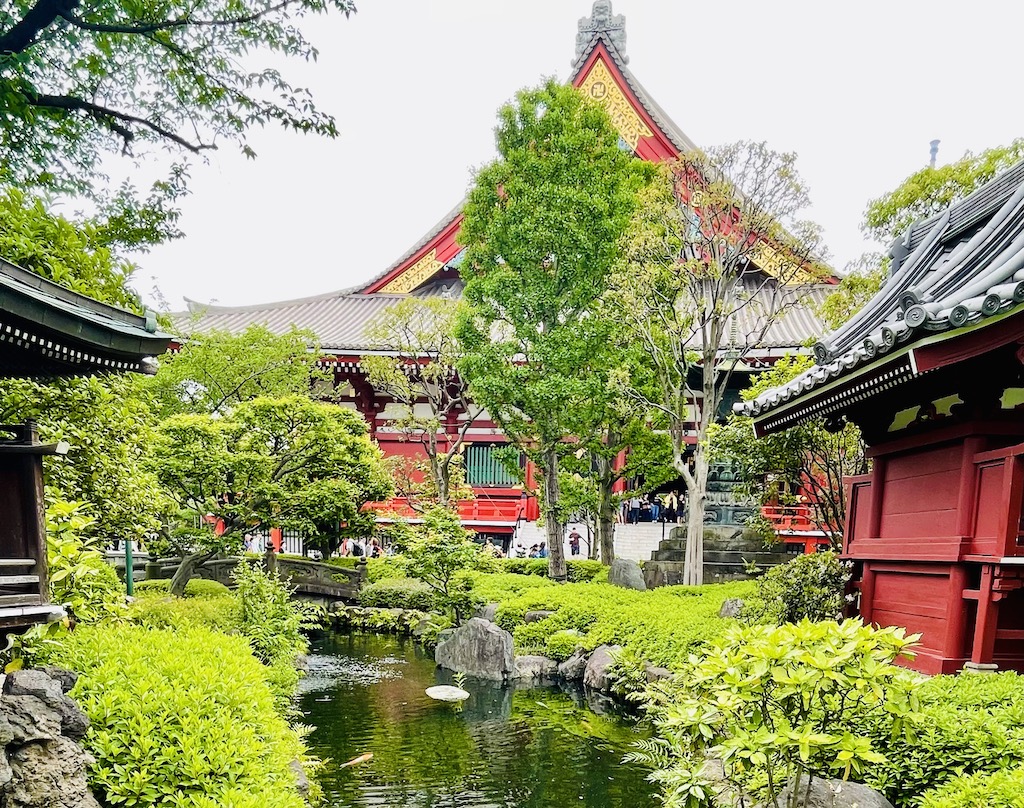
989, 514
915, 601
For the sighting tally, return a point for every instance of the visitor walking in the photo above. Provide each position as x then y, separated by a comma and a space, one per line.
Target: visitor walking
671, 507
574, 542
634, 509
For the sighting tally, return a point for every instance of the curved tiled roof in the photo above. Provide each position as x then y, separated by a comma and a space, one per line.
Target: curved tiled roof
956, 269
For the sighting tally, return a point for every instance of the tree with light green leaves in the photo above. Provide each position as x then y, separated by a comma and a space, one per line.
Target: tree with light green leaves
270, 462
714, 259
80, 80
420, 374
542, 228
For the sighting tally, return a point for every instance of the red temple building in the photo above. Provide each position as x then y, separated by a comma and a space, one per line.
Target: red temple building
341, 319
932, 371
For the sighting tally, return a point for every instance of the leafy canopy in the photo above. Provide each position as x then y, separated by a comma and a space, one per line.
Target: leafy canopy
79, 80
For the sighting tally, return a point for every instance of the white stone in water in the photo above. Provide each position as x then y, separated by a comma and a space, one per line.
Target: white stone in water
447, 693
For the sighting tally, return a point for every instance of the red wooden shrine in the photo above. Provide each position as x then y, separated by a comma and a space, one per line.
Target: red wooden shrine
932, 370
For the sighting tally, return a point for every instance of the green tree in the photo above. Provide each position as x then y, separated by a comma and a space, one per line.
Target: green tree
420, 373
440, 553
275, 462
932, 189
708, 270
542, 226
213, 372
815, 456
79, 80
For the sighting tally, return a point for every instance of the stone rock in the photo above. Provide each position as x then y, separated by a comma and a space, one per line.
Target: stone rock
443, 636
67, 679
33, 682
447, 693
30, 719
535, 668
478, 647
627, 574
574, 667
839, 794
49, 775
301, 778
596, 674
733, 607
488, 612
536, 616
656, 674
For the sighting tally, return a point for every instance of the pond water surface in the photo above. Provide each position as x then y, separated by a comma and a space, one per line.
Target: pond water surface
506, 748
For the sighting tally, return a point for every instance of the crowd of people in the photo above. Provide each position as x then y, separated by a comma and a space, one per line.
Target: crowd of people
652, 508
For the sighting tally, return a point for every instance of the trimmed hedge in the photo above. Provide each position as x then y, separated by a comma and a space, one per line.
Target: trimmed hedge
398, 593
180, 718
196, 588
662, 626
578, 570
156, 610
1003, 789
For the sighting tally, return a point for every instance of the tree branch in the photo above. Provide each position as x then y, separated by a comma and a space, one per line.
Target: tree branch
37, 19
164, 25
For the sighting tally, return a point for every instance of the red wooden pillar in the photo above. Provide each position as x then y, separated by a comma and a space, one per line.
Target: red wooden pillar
956, 618
877, 490
867, 593
988, 616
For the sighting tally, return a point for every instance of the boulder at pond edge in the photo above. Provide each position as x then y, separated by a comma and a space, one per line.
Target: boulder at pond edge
627, 574
479, 648
596, 674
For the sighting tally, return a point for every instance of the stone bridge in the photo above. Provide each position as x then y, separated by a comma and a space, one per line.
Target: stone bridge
312, 580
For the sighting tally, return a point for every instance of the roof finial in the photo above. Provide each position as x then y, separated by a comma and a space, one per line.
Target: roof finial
934, 152
602, 21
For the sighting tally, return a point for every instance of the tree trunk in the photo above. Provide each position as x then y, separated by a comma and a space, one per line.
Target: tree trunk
696, 495
553, 517
606, 526
185, 570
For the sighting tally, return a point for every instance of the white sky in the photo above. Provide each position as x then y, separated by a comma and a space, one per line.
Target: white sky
856, 89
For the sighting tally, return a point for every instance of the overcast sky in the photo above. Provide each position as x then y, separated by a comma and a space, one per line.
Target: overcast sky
857, 89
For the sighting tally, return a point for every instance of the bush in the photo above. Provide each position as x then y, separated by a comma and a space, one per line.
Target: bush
578, 571
164, 611
180, 718
267, 616
79, 577
196, 588
398, 593
968, 724
662, 626
809, 587
1003, 789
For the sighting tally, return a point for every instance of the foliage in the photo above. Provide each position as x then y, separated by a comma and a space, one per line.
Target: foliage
662, 626
441, 555
268, 618
861, 282
80, 579
109, 431
810, 587
196, 588
80, 82
541, 229
159, 610
708, 269
177, 715
398, 593
75, 254
813, 457
766, 701
215, 371
501, 587
930, 190
288, 462
579, 571
1002, 789
968, 724
421, 369
386, 620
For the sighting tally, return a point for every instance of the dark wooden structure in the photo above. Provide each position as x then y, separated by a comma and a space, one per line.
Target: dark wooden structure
47, 331
932, 370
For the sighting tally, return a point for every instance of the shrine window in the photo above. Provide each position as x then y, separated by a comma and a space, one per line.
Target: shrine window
483, 468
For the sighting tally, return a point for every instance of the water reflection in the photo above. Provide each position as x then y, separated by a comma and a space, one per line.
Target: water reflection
536, 748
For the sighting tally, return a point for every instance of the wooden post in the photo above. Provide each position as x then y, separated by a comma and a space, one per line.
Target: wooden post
877, 485
956, 619
985, 625
35, 513
867, 593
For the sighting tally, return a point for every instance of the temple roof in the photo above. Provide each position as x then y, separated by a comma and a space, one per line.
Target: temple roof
47, 330
957, 271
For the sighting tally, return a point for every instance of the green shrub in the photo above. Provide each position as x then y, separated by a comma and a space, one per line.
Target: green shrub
768, 701
267, 616
584, 571
398, 593
578, 570
180, 718
968, 724
810, 586
164, 611
385, 621
662, 626
1003, 789
500, 587
196, 588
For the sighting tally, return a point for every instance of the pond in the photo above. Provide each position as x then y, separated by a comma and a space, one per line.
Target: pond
506, 748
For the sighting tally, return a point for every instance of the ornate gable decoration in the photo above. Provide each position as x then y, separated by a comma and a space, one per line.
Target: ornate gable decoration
602, 87
602, 21
414, 275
